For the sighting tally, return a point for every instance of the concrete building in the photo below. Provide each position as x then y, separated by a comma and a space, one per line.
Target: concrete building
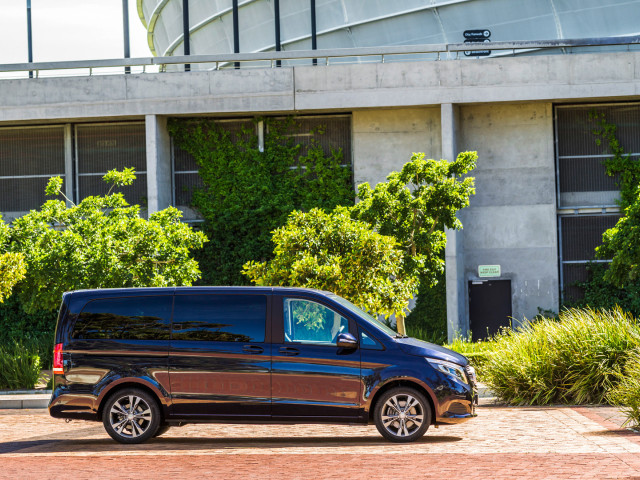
542, 198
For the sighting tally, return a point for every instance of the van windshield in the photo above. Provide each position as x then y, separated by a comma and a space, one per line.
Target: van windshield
364, 315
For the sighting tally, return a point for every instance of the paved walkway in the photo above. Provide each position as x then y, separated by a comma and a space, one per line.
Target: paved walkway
502, 443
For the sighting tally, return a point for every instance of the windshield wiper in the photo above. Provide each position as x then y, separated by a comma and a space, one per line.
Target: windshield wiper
398, 335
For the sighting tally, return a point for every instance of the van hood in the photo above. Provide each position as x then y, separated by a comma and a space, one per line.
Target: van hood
413, 346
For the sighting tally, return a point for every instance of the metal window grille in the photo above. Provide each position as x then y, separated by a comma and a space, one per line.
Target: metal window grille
104, 147
580, 235
583, 184
582, 178
328, 132
29, 156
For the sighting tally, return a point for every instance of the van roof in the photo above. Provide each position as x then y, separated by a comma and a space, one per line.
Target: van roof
113, 292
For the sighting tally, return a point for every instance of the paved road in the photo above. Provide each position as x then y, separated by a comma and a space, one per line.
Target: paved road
527, 443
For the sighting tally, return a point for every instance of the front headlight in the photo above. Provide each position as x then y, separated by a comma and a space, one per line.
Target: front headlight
448, 368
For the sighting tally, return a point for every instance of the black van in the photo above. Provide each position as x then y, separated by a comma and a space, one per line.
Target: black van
143, 359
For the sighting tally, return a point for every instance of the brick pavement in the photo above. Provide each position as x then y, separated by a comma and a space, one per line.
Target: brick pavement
502, 443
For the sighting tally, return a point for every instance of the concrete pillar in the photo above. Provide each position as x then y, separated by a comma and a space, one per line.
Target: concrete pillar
158, 145
457, 317
69, 181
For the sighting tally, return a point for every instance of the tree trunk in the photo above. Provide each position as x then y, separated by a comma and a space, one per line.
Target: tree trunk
400, 324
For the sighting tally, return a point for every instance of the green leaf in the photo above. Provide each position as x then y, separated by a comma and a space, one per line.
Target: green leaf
54, 186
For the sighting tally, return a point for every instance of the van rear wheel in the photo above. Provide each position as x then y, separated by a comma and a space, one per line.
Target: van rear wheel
402, 415
131, 416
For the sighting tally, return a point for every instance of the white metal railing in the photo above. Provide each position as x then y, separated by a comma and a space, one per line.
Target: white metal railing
451, 50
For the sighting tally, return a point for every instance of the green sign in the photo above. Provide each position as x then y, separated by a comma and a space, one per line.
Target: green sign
488, 270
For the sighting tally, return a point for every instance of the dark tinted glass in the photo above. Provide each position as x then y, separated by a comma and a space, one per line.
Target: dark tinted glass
129, 318
368, 342
220, 318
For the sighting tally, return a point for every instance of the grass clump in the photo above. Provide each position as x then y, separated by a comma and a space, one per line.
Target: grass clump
20, 365
626, 394
576, 359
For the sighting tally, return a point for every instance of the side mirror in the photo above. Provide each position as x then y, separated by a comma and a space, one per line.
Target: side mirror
346, 340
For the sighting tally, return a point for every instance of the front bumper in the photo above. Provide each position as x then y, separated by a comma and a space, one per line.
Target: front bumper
458, 407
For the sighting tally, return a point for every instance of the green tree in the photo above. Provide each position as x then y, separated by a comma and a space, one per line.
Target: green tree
622, 244
332, 251
414, 206
101, 242
409, 211
12, 267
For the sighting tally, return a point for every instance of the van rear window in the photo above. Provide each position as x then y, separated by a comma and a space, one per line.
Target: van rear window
220, 318
125, 318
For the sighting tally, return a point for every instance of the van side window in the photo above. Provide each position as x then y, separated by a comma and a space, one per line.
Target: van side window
368, 342
311, 322
125, 318
220, 318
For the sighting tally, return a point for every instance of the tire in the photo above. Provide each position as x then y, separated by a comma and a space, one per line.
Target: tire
402, 415
162, 429
131, 416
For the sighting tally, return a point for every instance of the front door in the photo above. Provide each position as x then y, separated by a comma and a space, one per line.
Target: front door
313, 379
220, 361
489, 307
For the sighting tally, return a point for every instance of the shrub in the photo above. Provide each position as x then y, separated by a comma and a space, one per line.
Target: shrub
101, 242
19, 365
627, 393
331, 251
599, 293
423, 332
428, 319
248, 193
12, 267
576, 359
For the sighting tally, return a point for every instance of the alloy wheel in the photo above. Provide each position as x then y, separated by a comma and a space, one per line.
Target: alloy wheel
402, 415
130, 416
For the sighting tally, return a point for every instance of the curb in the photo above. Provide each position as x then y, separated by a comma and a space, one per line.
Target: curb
24, 399
484, 392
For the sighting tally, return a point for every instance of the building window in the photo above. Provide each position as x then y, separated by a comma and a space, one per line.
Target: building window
580, 235
29, 156
103, 147
80, 154
587, 196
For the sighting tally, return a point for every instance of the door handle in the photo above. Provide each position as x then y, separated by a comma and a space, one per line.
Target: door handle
289, 351
252, 349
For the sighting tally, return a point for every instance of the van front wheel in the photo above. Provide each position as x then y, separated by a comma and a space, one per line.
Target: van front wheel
402, 415
131, 416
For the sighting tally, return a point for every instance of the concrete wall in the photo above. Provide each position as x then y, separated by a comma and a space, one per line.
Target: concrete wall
385, 139
511, 220
333, 88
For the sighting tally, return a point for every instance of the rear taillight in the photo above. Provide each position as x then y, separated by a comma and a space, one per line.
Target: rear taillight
57, 359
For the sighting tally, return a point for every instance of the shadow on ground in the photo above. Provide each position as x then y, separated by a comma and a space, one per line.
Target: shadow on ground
96, 445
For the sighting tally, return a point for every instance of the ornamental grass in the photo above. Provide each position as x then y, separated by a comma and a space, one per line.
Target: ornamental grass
19, 365
577, 358
626, 394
